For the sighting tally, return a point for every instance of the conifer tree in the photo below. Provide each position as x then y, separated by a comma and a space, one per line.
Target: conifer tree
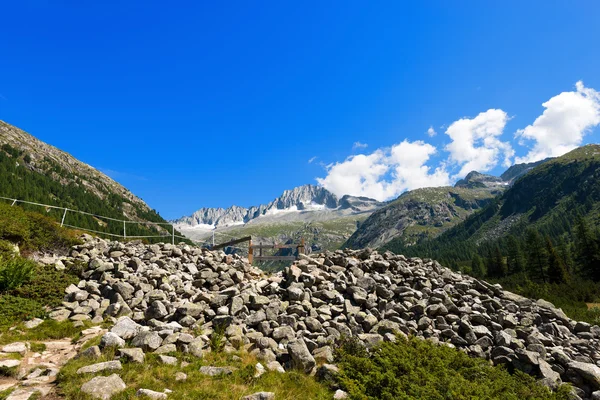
477, 266
515, 258
497, 265
557, 273
536, 256
588, 250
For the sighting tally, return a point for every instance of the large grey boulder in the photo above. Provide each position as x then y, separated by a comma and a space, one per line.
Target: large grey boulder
104, 388
135, 355
300, 356
126, 328
147, 340
589, 372
111, 339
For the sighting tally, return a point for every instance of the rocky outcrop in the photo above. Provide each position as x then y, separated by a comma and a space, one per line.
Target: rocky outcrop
296, 316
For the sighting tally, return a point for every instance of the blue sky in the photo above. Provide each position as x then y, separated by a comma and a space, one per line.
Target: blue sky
206, 104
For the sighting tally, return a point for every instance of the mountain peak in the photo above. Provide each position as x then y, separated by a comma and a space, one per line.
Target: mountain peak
476, 179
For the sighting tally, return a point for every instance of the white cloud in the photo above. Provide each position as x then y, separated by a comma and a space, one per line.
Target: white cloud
385, 173
310, 160
359, 145
475, 142
431, 132
567, 118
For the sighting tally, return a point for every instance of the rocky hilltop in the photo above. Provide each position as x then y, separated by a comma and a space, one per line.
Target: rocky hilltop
163, 298
34, 171
45, 159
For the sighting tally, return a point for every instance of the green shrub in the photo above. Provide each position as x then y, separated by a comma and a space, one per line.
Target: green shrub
14, 271
6, 248
217, 339
47, 285
16, 309
418, 369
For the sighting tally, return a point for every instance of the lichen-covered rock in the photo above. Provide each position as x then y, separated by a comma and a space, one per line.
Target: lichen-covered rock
104, 388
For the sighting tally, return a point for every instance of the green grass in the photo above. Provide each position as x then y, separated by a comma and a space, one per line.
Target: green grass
5, 393
155, 376
48, 330
418, 369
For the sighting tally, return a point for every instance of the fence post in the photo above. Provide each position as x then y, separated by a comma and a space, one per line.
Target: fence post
250, 253
62, 222
124, 230
13, 203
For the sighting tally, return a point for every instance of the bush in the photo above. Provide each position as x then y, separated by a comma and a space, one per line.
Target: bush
14, 271
16, 309
47, 285
418, 369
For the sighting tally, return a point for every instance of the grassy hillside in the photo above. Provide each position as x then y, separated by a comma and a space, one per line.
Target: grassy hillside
549, 199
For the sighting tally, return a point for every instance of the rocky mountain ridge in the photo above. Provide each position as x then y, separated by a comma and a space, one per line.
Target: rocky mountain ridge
159, 296
306, 198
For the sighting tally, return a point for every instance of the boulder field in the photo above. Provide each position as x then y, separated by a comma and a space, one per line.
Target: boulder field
163, 298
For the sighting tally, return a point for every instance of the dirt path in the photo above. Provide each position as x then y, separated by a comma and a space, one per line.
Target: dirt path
37, 371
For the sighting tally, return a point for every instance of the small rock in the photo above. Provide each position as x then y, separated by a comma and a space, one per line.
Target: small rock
301, 357
151, 394
167, 360
126, 328
275, 366
17, 347
111, 339
103, 366
180, 376
215, 371
34, 323
340, 395
10, 363
91, 352
260, 396
260, 370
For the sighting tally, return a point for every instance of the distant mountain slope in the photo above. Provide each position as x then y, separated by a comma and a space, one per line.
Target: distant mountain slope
425, 213
419, 214
549, 198
35, 171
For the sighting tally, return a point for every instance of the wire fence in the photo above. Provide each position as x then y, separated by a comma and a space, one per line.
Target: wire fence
124, 223
209, 241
